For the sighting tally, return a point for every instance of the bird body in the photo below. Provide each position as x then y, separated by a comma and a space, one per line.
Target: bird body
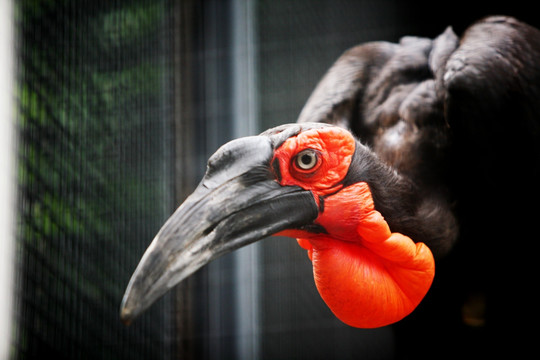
398, 147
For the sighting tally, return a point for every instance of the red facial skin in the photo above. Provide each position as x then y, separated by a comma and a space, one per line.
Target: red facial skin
367, 275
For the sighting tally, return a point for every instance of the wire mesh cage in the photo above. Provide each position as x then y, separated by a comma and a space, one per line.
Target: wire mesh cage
118, 106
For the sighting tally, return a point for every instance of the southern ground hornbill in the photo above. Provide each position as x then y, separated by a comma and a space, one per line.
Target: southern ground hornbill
443, 168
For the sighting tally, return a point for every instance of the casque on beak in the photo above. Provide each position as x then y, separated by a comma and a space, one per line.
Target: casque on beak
237, 203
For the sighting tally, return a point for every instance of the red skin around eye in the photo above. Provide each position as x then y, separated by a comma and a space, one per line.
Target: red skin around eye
334, 145
367, 275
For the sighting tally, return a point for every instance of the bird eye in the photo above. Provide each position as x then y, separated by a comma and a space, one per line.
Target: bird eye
306, 159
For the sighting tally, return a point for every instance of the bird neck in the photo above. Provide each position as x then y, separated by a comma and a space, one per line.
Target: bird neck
422, 214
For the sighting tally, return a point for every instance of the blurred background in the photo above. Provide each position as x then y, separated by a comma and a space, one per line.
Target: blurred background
116, 106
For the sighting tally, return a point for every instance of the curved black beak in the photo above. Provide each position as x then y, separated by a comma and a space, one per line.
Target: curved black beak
237, 203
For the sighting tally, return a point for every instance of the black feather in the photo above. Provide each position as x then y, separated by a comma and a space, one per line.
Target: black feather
451, 134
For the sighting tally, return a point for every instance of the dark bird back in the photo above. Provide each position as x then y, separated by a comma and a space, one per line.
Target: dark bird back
460, 118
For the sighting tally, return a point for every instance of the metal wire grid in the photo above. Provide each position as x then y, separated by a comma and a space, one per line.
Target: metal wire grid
94, 174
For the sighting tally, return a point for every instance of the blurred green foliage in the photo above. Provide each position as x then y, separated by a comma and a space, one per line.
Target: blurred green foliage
94, 172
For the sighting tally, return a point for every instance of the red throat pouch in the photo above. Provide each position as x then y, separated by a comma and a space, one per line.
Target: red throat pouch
372, 278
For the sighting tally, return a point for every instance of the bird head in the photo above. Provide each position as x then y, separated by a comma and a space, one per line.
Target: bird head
310, 181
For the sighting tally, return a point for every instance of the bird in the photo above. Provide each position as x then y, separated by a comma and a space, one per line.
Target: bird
404, 156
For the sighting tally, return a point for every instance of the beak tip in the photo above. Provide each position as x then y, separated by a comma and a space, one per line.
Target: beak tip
125, 317
126, 313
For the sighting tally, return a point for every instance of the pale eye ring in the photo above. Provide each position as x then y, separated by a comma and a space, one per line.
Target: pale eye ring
306, 159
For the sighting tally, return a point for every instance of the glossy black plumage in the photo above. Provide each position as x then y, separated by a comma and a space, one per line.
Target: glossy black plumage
460, 118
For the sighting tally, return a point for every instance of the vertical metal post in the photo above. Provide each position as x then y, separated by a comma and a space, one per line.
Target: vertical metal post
245, 122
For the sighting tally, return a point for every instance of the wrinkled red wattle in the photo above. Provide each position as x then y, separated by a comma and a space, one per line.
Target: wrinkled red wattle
376, 279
